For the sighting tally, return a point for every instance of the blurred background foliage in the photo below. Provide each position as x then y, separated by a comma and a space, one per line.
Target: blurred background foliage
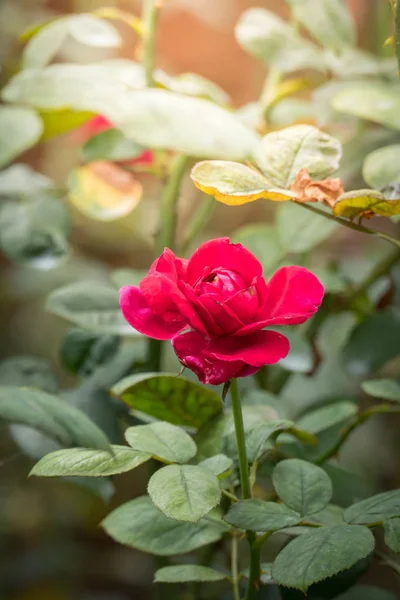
50, 543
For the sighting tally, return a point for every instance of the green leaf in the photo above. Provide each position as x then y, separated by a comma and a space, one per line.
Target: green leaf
282, 154
20, 180
289, 111
28, 239
381, 167
87, 87
90, 305
51, 416
330, 515
365, 202
82, 462
302, 486
20, 129
392, 534
169, 398
263, 241
366, 592
160, 119
388, 389
220, 465
234, 184
328, 21
165, 442
141, 525
83, 351
192, 84
272, 40
257, 515
372, 343
110, 145
187, 573
184, 492
375, 509
28, 371
49, 37
379, 103
320, 554
299, 230
57, 121
325, 417
253, 416
258, 439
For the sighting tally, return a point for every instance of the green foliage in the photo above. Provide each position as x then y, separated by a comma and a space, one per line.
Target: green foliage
302, 486
282, 154
110, 145
272, 40
325, 417
259, 439
165, 442
320, 554
258, 515
379, 104
90, 305
83, 351
299, 231
143, 526
328, 21
20, 128
374, 510
381, 166
49, 37
391, 529
169, 398
186, 573
51, 416
220, 465
184, 492
373, 343
28, 371
81, 462
367, 592
388, 389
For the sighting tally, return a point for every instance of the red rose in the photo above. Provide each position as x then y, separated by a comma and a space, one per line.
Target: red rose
222, 298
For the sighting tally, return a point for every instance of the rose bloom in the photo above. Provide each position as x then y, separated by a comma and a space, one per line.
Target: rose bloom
215, 307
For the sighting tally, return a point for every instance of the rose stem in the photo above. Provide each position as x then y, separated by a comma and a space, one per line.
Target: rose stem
254, 574
234, 568
197, 223
350, 224
169, 200
149, 22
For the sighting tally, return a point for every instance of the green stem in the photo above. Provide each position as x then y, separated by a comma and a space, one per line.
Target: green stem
234, 568
378, 271
350, 224
154, 356
199, 220
254, 574
397, 31
358, 420
169, 200
149, 20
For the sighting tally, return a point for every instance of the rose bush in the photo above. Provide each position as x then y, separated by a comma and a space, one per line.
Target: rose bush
215, 306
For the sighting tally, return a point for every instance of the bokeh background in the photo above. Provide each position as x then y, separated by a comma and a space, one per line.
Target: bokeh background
51, 547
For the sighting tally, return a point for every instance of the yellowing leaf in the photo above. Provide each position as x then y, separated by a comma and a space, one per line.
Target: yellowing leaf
365, 203
234, 184
58, 121
104, 191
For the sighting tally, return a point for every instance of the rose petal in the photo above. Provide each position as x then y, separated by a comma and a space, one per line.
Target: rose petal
257, 349
291, 297
220, 253
138, 314
190, 348
170, 265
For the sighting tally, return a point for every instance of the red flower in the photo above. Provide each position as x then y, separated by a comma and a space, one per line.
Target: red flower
221, 296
